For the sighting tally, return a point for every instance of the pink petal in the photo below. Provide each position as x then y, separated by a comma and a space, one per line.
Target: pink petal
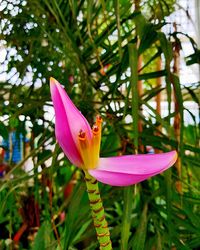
131, 169
69, 121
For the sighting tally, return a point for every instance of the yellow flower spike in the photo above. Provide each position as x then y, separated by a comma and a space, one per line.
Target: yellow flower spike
90, 148
85, 150
96, 140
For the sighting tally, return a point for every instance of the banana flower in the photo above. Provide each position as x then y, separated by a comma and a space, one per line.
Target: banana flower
81, 145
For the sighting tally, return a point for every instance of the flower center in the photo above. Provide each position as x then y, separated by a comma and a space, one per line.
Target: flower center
90, 147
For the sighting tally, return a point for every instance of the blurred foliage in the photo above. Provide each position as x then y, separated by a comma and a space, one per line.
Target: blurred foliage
85, 46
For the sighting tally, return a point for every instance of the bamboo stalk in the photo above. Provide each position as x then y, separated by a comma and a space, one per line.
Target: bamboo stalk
139, 82
158, 96
177, 118
140, 92
158, 84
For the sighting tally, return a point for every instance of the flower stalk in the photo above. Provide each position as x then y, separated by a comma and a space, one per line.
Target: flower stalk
98, 214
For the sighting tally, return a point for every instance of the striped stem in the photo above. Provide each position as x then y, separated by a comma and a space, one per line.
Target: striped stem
98, 215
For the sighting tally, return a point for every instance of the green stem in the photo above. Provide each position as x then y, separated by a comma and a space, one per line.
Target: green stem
126, 222
98, 214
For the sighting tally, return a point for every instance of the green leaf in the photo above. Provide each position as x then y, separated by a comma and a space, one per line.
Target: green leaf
43, 237
138, 242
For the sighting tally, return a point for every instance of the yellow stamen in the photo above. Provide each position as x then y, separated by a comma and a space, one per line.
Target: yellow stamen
84, 146
96, 139
90, 148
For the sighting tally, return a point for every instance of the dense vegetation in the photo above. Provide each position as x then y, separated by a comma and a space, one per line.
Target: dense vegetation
114, 60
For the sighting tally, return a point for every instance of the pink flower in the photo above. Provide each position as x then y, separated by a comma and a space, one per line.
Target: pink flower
81, 145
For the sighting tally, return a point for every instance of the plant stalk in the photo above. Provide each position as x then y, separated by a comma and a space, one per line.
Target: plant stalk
98, 214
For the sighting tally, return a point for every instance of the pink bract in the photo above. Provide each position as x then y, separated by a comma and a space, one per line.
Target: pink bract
131, 169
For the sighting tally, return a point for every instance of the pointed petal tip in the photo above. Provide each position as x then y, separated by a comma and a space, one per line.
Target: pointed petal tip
174, 156
54, 86
53, 81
